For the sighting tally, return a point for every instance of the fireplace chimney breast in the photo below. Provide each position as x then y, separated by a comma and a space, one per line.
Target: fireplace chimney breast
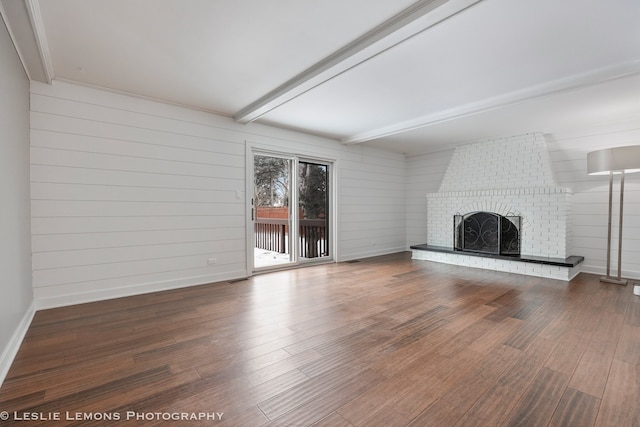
507, 176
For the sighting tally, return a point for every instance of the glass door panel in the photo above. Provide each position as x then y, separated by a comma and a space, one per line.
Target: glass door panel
313, 210
272, 199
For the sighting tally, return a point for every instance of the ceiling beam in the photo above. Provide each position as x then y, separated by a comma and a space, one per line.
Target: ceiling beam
417, 18
35, 16
567, 84
18, 20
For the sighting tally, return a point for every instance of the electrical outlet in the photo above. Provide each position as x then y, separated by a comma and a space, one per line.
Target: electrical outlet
211, 261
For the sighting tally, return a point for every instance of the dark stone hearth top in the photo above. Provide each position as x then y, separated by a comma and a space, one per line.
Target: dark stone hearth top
571, 261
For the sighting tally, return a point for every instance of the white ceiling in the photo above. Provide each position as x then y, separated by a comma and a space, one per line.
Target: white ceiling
407, 76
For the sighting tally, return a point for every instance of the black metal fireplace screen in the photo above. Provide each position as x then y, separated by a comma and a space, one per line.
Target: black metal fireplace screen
487, 232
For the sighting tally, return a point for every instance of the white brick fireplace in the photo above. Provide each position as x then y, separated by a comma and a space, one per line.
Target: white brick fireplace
507, 176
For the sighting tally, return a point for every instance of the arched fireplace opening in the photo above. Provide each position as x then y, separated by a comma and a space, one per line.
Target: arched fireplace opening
487, 232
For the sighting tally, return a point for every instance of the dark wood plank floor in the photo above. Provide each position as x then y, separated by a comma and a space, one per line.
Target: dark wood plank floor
386, 341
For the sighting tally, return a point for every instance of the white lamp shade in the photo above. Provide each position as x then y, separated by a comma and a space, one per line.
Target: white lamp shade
616, 160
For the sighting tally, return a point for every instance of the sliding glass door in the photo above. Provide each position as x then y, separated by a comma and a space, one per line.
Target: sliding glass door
290, 210
272, 197
313, 210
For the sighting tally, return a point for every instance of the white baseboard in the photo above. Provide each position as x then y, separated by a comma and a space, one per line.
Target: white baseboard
63, 299
41, 302
369, 254
601, 271
10, 351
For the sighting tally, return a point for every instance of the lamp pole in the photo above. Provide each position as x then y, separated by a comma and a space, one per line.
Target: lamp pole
614, 161
609, 224
620, 227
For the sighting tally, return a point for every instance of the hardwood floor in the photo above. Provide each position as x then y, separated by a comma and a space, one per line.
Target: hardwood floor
386, 341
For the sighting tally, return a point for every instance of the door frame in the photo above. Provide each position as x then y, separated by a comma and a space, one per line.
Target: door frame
251, 149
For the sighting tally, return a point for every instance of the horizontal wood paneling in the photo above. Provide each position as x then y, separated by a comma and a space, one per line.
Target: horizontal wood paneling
128, 193
114, 287
76, 241
57, 208
56, 191
122, 162
424, 175
65, 225
201, 152
113, 255
93, 272
124, 198
71, 175
568, 153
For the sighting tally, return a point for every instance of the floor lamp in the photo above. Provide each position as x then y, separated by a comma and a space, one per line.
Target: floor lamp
615, 161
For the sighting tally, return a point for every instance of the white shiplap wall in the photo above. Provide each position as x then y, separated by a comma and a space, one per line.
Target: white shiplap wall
568, 153
424, 175
131, 195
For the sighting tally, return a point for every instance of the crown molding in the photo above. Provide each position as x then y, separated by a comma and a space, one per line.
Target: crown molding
417, 18
35, 16
563, 85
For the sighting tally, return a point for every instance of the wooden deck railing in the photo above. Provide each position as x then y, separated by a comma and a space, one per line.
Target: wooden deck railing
271, 234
